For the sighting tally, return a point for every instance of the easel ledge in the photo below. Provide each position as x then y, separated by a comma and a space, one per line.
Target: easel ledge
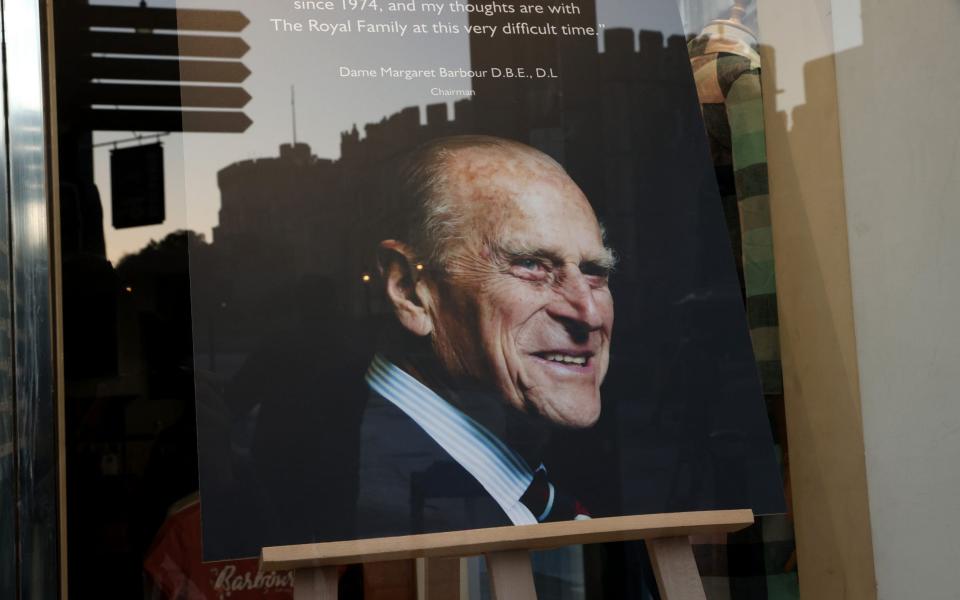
499, 539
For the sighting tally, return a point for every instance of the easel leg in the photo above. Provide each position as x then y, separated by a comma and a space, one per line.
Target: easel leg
511, 575
315, 584
675, 568
441, 579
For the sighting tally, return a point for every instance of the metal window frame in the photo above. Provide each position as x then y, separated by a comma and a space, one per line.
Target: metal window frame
8, 538
28, 240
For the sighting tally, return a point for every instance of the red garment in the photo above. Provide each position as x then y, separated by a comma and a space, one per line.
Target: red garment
174, 565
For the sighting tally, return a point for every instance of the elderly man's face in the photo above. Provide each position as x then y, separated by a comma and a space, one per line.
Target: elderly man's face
523, 301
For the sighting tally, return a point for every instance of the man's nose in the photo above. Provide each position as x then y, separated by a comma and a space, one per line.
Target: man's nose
576, 304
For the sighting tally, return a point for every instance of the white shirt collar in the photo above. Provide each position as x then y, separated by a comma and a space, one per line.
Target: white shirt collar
500, 470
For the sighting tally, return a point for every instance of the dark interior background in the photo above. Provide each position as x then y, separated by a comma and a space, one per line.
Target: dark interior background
256, 335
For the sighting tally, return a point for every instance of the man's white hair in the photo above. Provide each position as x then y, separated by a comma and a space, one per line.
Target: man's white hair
434, 223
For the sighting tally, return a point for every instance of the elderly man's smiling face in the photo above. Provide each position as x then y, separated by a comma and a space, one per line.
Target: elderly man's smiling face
522, 301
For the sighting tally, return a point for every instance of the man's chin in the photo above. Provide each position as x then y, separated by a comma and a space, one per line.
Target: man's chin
577, 413
582, 421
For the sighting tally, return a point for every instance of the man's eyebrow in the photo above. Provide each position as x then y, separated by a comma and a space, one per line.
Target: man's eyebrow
607, 260
511, 251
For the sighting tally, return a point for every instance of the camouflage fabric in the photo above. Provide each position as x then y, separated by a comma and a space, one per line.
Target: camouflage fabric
758, 563
727, 74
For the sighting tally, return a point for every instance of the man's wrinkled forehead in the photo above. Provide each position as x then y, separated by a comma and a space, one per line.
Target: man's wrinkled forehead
498, 186
482, 171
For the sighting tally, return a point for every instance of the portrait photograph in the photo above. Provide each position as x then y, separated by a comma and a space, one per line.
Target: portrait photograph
425, 312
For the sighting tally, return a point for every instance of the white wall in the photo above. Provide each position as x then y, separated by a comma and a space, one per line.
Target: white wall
900, 134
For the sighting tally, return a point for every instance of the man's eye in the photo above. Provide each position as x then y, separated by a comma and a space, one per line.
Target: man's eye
597, 275
528, 268
529, 263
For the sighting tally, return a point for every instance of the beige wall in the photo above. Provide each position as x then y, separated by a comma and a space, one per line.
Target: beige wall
864, 145
822, 391
900, 130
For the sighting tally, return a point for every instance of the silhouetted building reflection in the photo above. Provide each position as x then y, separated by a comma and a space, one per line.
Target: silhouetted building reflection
295, 216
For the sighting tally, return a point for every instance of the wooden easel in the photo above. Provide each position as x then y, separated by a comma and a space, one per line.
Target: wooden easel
507, 550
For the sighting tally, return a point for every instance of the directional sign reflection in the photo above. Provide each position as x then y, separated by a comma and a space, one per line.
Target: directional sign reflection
150, 60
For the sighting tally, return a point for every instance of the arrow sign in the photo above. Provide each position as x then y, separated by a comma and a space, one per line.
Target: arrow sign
113, 42
168, 70
165, 18
169, 120
167, 95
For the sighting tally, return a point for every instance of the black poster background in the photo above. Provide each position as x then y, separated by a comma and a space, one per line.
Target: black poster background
285, 320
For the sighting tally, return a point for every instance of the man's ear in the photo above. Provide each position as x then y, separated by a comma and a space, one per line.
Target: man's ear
409, 295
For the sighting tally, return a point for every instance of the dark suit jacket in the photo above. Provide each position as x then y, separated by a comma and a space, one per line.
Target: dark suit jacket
408, 484
360, 466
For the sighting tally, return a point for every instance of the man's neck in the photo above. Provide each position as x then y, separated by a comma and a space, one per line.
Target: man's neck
525, 434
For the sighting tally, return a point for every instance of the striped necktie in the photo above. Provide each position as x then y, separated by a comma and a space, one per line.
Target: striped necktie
548, 504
